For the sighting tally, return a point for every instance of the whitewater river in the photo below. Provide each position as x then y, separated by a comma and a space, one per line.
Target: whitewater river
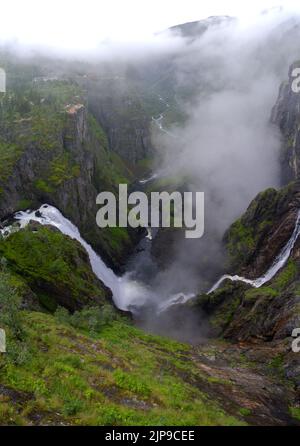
128, 293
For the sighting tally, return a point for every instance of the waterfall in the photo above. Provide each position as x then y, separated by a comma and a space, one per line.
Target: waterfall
177, 299
158, 122
127, 293
147, 180
278, 263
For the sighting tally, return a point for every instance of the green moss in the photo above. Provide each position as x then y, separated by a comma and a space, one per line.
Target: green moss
245, 412
98, 131
224, 314
35, 117
254, 293
286, 276
110, 170
116, 238
53, 265
24, 204
47, 301
276, 366
43, 186
9, 155
240, 241
217, 380
244, 235
62, 169
295, 412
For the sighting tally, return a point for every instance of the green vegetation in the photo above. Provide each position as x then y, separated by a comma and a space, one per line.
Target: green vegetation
220, 306
115, 239
24, 204
110, 170
9, 155
276, 366
286, 276
119, 376
39, 119
10, 302
243, 236
225, 313
281, 281
35, 116
254, 293
240, 242
295, 412
62, 168
56, 267
90, 319
245, 412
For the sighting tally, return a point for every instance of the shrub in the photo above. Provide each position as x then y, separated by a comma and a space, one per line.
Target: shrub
90, 319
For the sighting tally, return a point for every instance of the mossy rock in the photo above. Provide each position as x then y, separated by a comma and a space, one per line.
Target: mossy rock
56, 268
246, 235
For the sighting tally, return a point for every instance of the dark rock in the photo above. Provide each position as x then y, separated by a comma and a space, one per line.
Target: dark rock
286, 114
68, 175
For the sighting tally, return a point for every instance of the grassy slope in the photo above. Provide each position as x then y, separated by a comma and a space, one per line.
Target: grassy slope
119, 376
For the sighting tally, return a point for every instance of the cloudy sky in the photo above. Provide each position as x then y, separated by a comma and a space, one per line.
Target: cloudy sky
83, 24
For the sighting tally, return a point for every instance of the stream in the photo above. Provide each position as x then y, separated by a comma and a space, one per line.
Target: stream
131, 291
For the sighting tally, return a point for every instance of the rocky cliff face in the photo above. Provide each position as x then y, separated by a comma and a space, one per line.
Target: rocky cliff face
261, 320
122, 114
286, 114
257, 237
55, 152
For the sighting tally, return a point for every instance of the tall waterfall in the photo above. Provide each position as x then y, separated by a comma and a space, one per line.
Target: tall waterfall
278, 263
127, 293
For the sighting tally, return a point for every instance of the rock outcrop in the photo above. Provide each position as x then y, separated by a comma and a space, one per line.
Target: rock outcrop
123, 116
257, 237
57, 153
54, 267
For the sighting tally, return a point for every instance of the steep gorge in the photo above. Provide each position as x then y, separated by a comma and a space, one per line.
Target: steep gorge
55, 151
110, 371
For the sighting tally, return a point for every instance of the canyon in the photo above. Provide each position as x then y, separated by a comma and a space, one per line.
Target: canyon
109, 326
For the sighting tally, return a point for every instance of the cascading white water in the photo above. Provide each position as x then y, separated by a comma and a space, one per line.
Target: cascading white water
158, 122
147, 180
278, 263
177, 299
126, 293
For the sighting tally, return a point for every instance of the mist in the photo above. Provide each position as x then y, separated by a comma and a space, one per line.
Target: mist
227, 146
225, 81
